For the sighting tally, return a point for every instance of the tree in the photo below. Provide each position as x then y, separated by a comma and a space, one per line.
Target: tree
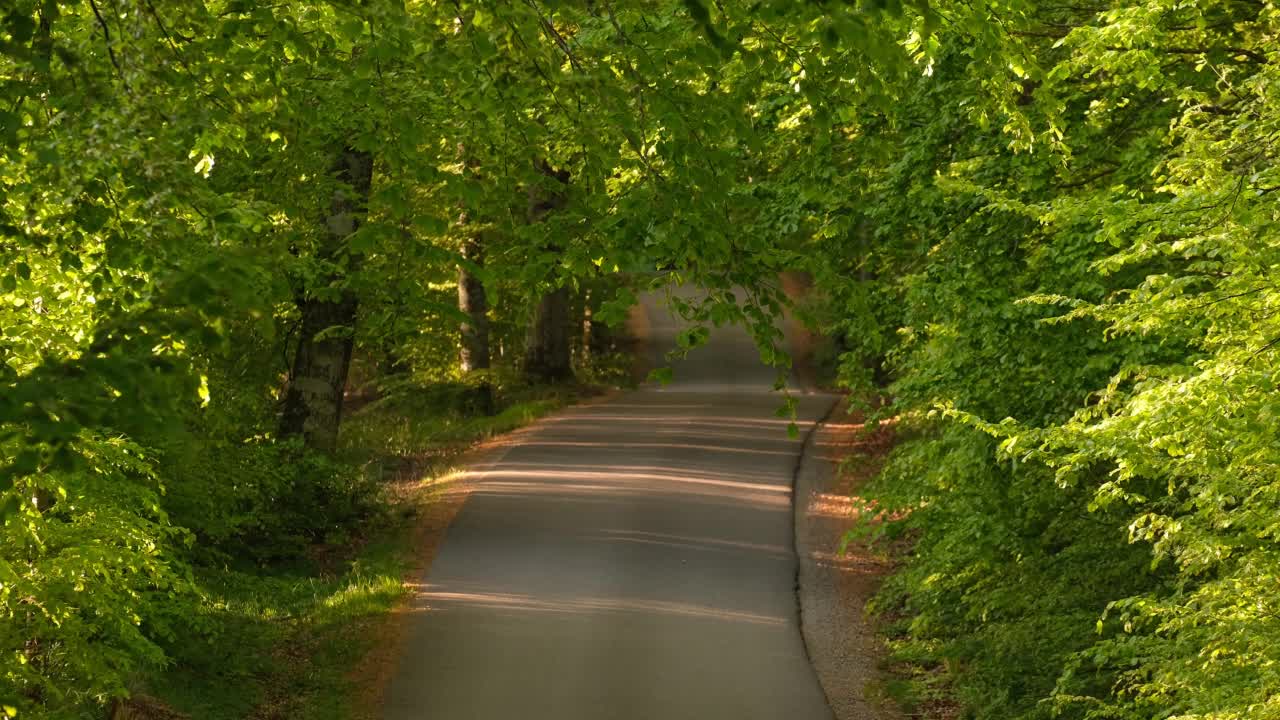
318, 378
474, 355
547, 348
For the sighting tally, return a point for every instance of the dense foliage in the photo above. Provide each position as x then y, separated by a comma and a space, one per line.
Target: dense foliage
1048, 229
1057, 244
196, 198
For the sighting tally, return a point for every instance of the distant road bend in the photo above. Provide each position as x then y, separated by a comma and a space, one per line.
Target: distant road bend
627, 560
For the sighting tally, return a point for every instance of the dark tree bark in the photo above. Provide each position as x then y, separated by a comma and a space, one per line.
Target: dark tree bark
473, 352
548, 346
318, 379
577, 351
547, 357
597, 336
472, 300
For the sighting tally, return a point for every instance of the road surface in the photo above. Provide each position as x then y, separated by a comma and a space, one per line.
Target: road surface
631, 559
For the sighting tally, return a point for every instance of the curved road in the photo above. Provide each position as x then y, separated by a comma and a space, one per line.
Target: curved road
631, 559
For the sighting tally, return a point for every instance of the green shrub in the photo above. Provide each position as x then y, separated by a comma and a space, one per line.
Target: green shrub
89, 584
267, 501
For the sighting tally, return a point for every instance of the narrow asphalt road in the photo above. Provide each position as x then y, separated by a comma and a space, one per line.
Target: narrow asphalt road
626, 560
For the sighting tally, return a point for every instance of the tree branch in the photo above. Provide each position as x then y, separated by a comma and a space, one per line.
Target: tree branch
106, 33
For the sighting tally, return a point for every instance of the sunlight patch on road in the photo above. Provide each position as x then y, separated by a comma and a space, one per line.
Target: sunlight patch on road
437, 600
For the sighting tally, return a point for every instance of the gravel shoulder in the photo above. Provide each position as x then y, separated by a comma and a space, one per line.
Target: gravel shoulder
834, 588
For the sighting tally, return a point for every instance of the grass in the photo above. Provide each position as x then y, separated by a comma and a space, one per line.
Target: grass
272, 643
279, 642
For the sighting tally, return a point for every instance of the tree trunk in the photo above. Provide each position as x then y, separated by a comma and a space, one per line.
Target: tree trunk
584, 339
597, 336
547, 356
318, 380
548, 346
472, 300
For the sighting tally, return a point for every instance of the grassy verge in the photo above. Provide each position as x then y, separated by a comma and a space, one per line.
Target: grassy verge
278, 643
281, 642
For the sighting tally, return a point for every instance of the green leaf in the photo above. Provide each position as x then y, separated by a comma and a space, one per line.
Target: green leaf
9, 506
363, 241
20, 27
662, 375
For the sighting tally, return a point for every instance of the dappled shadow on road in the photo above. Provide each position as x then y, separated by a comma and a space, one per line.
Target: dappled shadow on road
428, 598
668, 501
701, 544
658, 445
632, 559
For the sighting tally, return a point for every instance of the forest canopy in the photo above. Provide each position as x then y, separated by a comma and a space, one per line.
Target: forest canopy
1046, 233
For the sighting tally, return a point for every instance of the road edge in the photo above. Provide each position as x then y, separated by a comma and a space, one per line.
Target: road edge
800, 530
832, 589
